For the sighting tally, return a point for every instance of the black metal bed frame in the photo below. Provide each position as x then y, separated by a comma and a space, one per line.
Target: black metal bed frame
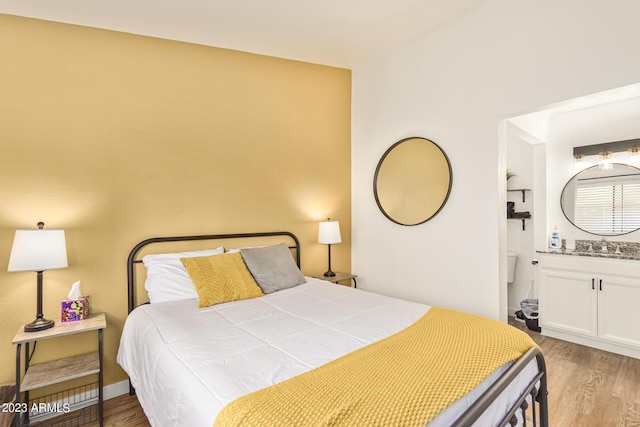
536, 390
535, 393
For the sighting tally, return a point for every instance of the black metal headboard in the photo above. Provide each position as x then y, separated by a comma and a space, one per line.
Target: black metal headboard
132, 255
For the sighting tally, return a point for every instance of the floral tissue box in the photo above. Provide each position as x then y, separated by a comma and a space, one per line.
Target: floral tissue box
75, 309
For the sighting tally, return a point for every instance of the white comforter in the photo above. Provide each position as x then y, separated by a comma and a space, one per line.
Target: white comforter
188, 363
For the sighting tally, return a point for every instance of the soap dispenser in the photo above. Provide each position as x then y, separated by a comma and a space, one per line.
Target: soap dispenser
555, 238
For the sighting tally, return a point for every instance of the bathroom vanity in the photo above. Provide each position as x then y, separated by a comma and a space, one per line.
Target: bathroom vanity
591, 295
590, 299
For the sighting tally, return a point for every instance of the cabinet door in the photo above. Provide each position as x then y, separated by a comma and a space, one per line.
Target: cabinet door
618, 302
568, 302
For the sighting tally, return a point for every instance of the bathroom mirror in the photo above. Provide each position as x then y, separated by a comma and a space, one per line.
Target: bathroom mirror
605, 202
412, 181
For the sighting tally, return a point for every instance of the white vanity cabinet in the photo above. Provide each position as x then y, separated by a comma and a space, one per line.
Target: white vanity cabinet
590, 301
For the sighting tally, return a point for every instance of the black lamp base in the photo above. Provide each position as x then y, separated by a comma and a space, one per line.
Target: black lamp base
329, 273
40, 324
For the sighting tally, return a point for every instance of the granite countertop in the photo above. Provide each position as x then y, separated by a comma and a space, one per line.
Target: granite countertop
593, 248
611, 255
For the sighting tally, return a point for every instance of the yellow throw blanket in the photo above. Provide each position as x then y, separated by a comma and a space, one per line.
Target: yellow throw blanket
403, 380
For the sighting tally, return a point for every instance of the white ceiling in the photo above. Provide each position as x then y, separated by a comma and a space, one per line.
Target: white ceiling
340, 33
592, 119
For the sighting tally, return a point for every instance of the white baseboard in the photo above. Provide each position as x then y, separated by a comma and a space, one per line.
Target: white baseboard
115, 390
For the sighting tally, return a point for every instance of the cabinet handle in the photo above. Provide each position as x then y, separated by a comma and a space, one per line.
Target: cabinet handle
593, 284
600, 284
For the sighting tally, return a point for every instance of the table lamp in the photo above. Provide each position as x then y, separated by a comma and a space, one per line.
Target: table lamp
38, 250
329, 234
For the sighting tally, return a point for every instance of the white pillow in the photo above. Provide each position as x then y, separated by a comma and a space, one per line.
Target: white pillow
167, 279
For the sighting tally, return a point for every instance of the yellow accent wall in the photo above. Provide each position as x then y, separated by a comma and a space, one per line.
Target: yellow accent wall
116, 138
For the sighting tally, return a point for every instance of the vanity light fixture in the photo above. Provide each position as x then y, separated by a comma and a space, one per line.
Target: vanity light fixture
605, 153
38, 250
578, 162
634, 155
605, 160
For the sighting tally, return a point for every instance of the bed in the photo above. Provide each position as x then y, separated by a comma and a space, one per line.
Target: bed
192, 365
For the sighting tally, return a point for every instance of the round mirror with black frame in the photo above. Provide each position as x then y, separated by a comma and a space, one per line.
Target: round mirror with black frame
604, 202
412, 181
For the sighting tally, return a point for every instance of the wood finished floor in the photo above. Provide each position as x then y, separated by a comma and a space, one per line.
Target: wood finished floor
587, 388
123, 411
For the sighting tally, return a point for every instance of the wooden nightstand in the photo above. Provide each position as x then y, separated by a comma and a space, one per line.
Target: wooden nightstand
57, 371
339, 277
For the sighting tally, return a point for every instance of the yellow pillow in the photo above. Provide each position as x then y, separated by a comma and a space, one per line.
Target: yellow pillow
221, 278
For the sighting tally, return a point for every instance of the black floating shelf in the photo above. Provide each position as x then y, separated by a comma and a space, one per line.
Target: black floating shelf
523, 218
520, 190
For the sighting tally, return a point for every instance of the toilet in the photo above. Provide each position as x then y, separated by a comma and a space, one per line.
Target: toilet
512, 257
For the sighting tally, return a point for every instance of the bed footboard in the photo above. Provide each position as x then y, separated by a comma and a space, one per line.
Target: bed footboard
535, 392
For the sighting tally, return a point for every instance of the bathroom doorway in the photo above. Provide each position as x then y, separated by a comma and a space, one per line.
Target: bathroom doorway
526, 164
538, 147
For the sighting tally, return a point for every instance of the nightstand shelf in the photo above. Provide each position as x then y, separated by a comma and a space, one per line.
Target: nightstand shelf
57, 371
60, 370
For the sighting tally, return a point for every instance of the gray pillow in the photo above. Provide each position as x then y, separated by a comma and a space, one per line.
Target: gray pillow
272, 267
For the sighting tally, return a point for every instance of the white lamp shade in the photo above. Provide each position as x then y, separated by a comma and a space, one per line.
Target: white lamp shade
38, 250
329, 233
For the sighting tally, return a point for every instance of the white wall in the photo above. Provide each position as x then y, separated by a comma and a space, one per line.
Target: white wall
454, 86
520, 160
